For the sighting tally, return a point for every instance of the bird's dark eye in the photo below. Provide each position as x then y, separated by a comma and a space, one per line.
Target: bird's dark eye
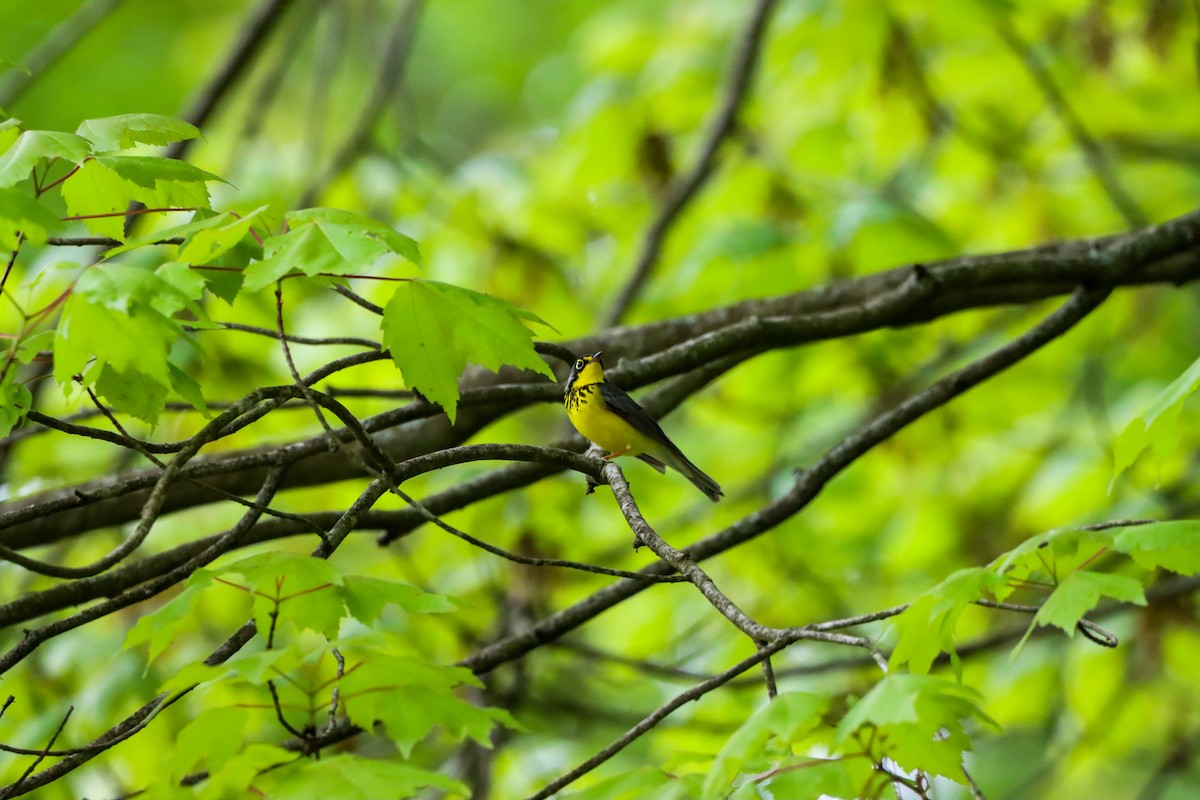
579, 364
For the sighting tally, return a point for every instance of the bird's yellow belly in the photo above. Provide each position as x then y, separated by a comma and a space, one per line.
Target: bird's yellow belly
592, 418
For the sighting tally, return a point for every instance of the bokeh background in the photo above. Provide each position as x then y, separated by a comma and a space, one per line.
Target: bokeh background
527, 146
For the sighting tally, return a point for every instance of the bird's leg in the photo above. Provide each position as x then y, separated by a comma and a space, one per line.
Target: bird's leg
616, 454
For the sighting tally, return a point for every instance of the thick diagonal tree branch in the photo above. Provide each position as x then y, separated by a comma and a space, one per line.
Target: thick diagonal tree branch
809, 482
1165, 253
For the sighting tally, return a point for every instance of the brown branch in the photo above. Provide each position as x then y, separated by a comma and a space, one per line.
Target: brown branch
31, 605
35, 637
681, 192
96, 241
140, 718
150, 510
645, 534
13, 789
655, 717
809, 482
326, 340
1161, 253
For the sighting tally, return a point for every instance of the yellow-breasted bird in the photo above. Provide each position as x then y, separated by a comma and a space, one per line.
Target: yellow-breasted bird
608, 417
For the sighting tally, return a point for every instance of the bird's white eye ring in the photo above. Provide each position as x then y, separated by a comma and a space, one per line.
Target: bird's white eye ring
579, 364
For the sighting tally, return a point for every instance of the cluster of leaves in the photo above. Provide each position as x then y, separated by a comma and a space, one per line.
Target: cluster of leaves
307, 611
126, 325
1062, 566
800, 745
911, 724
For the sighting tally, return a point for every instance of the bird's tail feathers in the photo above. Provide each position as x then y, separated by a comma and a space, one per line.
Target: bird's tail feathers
679, 462
654, 462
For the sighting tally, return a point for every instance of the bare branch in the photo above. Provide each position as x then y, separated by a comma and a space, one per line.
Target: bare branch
36, 636
809, 482
13, 789
1165, 252
655, 717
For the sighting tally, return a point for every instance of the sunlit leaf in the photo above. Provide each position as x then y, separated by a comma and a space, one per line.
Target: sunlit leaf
299, 588
926, 627
33, 148
20, 213
1170, 545
917, 721
435, 329
212, 738
161, 627
1078, 594
411, 697
366, 597
238, 774
100, 196
1156, 427
328, 241
125, 130
789, 717
15, 402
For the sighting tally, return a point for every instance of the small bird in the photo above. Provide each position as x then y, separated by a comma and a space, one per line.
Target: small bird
610, 418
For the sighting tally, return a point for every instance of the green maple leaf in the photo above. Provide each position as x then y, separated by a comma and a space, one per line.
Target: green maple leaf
1157, 427
20, 213
34, 147
1171, 545
329, 241
926, 627
125, 130
1078, 594
435, 329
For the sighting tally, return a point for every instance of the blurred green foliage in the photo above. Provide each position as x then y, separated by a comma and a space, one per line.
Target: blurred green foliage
526, 147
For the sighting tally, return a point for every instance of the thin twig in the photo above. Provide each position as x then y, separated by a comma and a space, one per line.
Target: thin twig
97, 241
36, 636
326, 340
358, 300
335, 698
384, 468
655, 717
769, 678
811, 481
14, 787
